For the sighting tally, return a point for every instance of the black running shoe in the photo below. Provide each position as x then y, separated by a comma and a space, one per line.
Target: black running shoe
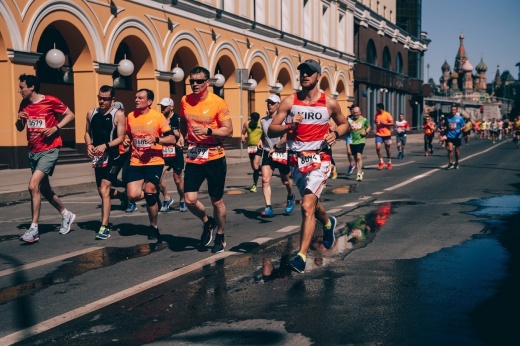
220, 244
153, 233
207, 230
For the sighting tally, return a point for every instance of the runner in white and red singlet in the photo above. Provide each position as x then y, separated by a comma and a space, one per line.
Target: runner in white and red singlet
307, 114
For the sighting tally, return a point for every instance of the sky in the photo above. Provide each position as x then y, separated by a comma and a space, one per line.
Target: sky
491, 31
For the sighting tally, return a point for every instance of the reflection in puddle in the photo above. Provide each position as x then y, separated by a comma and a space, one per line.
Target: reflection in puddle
495, 206
79, 265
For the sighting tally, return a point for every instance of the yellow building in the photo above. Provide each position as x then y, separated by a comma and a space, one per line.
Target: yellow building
247, 42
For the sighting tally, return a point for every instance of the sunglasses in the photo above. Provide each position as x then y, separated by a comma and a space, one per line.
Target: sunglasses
197, 81
271, 103
108, 98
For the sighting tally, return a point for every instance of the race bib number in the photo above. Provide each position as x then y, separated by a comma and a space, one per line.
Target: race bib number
100, 161
280, 157
252, 149
388, 141
356, 126
401, 129
168, 151
36, 124
198, 155
453, 125
141, 144
308, 161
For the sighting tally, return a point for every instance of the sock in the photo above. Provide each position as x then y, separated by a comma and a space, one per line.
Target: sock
65, 212
352, 164
328, 225
389, 160
34, 225
256, 174
303, 256
381, 160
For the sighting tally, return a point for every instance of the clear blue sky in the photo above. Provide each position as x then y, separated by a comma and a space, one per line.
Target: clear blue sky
491, 30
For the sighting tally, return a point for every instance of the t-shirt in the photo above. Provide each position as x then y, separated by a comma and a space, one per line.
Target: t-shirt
138, 126
401, 127
428, 127
41, 116
454, 125
253, 136
210, 112
383, 130
357, 126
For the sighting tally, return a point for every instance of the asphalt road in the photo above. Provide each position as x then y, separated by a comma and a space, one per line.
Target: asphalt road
439, 265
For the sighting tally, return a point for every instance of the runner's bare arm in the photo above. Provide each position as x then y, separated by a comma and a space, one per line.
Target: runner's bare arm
276, 128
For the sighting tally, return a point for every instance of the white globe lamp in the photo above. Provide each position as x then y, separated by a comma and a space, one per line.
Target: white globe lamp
125, 67
218, 80
252, 84
178, 74
55, 58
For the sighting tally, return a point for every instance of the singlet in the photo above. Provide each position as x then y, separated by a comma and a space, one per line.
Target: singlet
209, 112
428, 128
41, 116
309, 134
269, 142
253, 136
137, 127
401, 127
383, 130
356, 127
103, 128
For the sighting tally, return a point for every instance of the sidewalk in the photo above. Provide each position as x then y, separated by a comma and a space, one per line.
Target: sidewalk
76, 178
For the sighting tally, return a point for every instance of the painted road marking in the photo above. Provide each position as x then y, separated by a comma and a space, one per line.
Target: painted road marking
287, 229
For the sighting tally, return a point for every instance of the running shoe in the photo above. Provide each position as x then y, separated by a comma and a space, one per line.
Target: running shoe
268, 212
431, 151
350, 169
219, 244
182, 206
456, 165
290, 204
166, 205
298, 264
207, 231
131, 207
30, 236
360, 176
426, 154
334, 174
153, 233
402, 155
450, 166
389, 166
399, 156
328, 233
253, 188
103, 233
66, 222
381, 165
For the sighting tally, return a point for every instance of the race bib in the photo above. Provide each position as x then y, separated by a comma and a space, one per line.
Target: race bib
401, 129
308, 161
453, 125
356, 126
36, 124
198, 155
140, 144
388, 141
100, 161
252, 149
168, 151
280, 157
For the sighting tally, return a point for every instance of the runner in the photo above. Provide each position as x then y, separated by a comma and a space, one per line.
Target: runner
454, 124
384, 122
429, 132
204, 120
466, 130
40, 113
253, 132
148, 131
273, 153
401, 128
104, 132
359, 128
493, 130
348, 140
516, 129
307, 115
173, 158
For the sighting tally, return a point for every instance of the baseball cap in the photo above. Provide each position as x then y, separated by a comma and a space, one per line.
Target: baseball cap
166, 102
274, 98
311, 65
118, 105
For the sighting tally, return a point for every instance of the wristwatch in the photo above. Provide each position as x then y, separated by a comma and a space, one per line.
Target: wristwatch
209, 132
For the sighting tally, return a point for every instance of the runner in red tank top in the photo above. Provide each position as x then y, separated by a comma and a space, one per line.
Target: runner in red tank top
307, 114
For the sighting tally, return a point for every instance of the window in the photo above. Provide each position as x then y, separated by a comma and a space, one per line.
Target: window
387, 60
371, 53
399, 63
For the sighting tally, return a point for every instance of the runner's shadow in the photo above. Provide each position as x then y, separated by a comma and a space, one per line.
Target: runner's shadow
180, 244
251, 214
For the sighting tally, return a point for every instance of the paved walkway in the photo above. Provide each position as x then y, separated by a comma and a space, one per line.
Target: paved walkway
75, 178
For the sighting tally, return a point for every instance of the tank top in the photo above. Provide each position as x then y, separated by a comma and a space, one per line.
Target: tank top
103, 128
253, 136
309, 134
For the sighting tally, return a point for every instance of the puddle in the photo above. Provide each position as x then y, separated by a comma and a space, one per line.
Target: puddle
79, 265
497, 206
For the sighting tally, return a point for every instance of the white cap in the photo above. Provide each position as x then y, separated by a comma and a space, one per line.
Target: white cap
274, 98
166, 102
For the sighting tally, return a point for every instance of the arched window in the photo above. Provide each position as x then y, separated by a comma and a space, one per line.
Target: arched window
399, 63
371, 53
387, 60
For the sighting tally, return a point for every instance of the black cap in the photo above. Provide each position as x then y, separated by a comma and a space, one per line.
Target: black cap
311, 65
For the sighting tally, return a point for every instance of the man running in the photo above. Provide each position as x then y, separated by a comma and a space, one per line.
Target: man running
40, 113
148, 131
384, 122
104, 132
401, 128
359, 128
205, 119
273, 152
454, 124
429, 128
173, 158
307, 114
